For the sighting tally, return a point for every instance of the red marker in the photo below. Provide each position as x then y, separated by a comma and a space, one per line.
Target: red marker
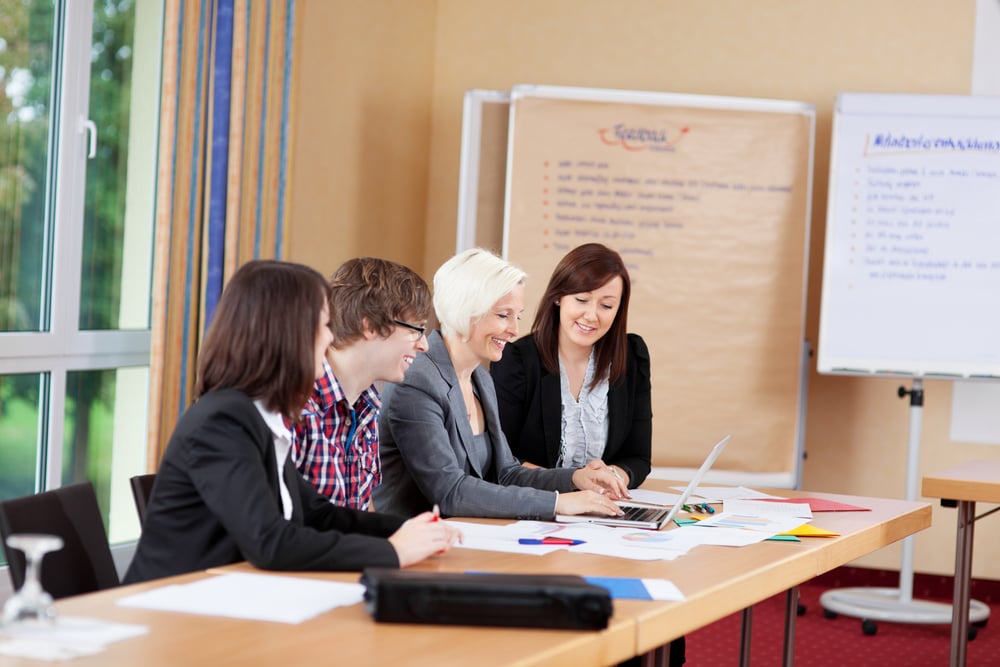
550, 541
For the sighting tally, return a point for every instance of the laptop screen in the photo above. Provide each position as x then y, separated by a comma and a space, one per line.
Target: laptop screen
696, 480
663, 517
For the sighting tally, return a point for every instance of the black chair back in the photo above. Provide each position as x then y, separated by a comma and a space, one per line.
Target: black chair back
142, 489
84, 564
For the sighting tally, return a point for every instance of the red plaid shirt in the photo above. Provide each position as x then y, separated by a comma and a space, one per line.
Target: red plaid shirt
335, 445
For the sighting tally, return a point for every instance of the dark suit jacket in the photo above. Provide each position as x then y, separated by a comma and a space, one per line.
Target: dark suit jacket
424, 441
216, 501
531, 409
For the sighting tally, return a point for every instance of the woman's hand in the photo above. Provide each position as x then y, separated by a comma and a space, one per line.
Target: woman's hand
586, 502
422, 536
596, 476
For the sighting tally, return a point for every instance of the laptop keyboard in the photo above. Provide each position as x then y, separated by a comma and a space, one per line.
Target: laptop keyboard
638, 513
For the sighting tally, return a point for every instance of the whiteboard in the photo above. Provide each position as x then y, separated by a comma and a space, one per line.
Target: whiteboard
707, 198
911, 273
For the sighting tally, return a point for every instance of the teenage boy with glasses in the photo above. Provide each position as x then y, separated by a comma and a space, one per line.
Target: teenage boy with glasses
378, 313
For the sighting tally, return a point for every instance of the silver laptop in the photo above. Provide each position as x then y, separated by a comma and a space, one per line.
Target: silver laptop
652, 517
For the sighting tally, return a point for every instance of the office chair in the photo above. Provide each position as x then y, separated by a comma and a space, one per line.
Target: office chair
84, 564
142, 489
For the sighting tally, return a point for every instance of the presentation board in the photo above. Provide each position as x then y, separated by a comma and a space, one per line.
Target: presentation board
911, 274
708, 200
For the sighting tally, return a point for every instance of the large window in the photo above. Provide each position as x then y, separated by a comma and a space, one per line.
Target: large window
79, 98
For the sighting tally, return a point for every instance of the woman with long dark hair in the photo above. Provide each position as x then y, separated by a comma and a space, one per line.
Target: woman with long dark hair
226, 489
577, 388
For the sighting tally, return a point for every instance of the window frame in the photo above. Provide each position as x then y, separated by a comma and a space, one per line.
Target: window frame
61, 347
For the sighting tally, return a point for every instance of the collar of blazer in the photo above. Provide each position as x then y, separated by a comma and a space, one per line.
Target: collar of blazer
437, 354
263, 440
551, 395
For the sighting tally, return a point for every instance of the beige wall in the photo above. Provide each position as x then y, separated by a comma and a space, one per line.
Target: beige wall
378, 129
363, 77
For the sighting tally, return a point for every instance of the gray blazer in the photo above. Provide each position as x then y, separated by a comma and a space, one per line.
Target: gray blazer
424, 442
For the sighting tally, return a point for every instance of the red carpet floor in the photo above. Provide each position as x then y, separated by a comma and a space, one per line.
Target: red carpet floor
839, 642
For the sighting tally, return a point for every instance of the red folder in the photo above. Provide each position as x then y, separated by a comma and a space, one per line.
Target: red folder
821, 504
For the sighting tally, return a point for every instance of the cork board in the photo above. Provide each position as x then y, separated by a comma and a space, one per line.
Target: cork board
708, 200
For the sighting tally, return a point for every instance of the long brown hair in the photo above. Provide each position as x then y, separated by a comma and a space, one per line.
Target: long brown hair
584, 269
263, 336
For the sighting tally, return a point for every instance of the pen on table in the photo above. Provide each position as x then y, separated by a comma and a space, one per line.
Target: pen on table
550, 541
687, 508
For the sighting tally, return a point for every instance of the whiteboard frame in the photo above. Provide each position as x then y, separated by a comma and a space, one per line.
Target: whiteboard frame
468, 170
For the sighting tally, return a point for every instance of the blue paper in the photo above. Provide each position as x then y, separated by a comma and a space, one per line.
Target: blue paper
622, 588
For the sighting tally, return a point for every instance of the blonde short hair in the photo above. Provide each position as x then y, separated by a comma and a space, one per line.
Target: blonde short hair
467, 286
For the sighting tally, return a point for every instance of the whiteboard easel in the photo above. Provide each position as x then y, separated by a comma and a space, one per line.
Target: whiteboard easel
911, 279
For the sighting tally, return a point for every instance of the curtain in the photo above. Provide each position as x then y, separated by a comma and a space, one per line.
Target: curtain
221, 176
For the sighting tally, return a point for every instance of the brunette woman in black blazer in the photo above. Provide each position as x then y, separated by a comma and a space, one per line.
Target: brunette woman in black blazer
580, 365
579, 349
226, 489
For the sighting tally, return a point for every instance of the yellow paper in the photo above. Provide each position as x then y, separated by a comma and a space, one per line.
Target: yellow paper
808, 530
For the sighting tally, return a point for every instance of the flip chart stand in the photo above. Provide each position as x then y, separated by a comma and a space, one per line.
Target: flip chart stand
897, 605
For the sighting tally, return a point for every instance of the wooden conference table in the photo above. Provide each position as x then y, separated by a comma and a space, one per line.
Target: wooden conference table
717, 581
965, 484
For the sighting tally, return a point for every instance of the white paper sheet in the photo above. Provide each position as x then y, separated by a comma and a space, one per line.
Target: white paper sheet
694, 536
507, 546
765, 508
68, 637
489, 537
654, 497
260, 597
40, 650
617, 550
769, 524
732, 529
663, 589
630, 543
720, 493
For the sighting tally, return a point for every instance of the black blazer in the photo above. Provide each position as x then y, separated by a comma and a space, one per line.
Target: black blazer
531, 409
216, 501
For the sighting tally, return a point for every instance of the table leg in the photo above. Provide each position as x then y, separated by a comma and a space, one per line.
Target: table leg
745, 628
658, 657
963, 575
791, 613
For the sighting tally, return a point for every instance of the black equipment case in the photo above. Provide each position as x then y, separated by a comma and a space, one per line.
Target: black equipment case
513, 600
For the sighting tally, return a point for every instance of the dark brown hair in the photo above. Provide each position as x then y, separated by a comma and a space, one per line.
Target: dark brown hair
376, 290
262, 339
584, 269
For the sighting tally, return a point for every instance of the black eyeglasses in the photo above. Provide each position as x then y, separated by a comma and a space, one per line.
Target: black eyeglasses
420, 331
